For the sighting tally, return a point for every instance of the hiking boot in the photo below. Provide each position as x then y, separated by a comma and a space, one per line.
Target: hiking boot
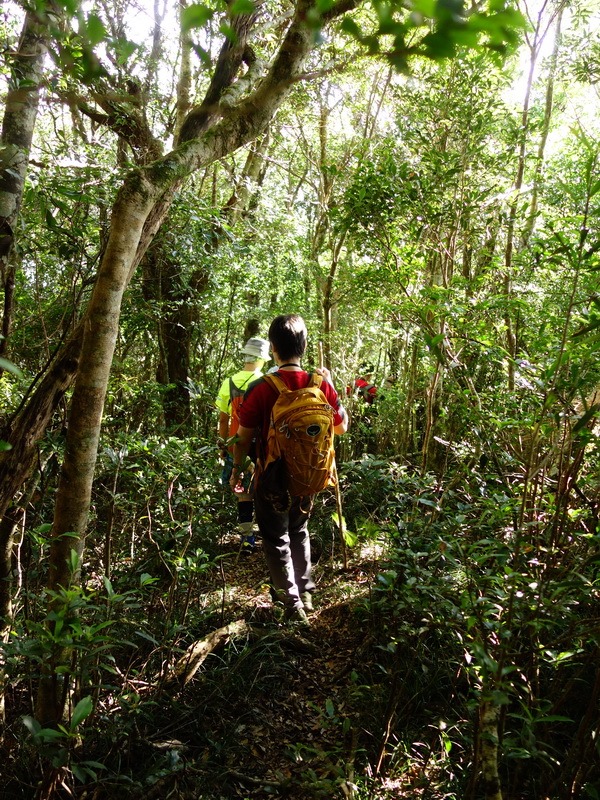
277, 596
248, 545
307, 602
296, 616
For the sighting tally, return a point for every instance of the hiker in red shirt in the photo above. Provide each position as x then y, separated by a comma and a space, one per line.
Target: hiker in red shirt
363, 385
284, 530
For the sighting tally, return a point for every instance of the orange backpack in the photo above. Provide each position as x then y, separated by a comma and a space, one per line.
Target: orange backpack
301, 435
236, 395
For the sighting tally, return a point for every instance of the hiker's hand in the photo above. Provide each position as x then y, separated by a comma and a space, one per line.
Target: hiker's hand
235, 481
325, 374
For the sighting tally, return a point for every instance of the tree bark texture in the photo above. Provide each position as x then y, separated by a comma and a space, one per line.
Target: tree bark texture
184, 84
488, 732
24, 432
163, 285
15, 143
233, 53
100, 329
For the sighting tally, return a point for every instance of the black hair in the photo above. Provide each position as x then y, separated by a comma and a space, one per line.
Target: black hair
287, 335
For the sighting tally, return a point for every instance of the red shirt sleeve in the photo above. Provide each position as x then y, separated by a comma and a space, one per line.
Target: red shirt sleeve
334, 401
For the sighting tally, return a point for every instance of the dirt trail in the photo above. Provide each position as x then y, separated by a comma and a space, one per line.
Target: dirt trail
282, 710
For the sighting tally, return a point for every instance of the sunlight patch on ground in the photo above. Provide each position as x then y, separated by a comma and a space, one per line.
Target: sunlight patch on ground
369, 551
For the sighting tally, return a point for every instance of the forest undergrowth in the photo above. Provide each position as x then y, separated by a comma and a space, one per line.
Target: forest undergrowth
437, 619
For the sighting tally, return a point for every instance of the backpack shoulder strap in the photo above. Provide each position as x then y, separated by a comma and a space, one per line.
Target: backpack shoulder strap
232, 389
315, 380
276, 382
237, 391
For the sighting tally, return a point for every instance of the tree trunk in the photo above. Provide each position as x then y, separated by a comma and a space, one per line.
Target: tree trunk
143, 191
507, 280
101, 325
184, 84
488, 732
175, 332
548, 108
15, 142
328, 302
174, 296
23, 433
180, 301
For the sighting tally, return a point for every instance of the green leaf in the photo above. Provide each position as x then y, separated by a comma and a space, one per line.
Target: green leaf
124, 50
425, 502
242, 7
50, 735
81, 711
585, 418
202, 54
50, 221
195, 16
74, 560
94, 764
45, 527
439, 45
95, 30
4, 446
387, 578
147, 636
350, 538
329, 707
591, 326
10, 367
349, 26
424, 7
32, 725
69, 5
228, 32
81, 773
466, 38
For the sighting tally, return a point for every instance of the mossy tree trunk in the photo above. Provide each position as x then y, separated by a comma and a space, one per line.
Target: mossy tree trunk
18, 124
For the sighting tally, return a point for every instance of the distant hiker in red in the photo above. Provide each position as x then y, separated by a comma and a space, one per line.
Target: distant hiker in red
281, 513
255, 353
363, 385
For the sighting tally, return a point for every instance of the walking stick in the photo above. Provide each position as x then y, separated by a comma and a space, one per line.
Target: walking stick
338, 491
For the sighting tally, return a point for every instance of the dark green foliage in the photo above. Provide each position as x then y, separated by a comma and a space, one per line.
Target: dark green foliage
466, 601
448, 26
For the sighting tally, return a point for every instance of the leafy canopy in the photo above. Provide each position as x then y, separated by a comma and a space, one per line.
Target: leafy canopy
396, 30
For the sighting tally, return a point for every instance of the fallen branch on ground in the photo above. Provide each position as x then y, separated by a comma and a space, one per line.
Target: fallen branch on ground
193, 658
